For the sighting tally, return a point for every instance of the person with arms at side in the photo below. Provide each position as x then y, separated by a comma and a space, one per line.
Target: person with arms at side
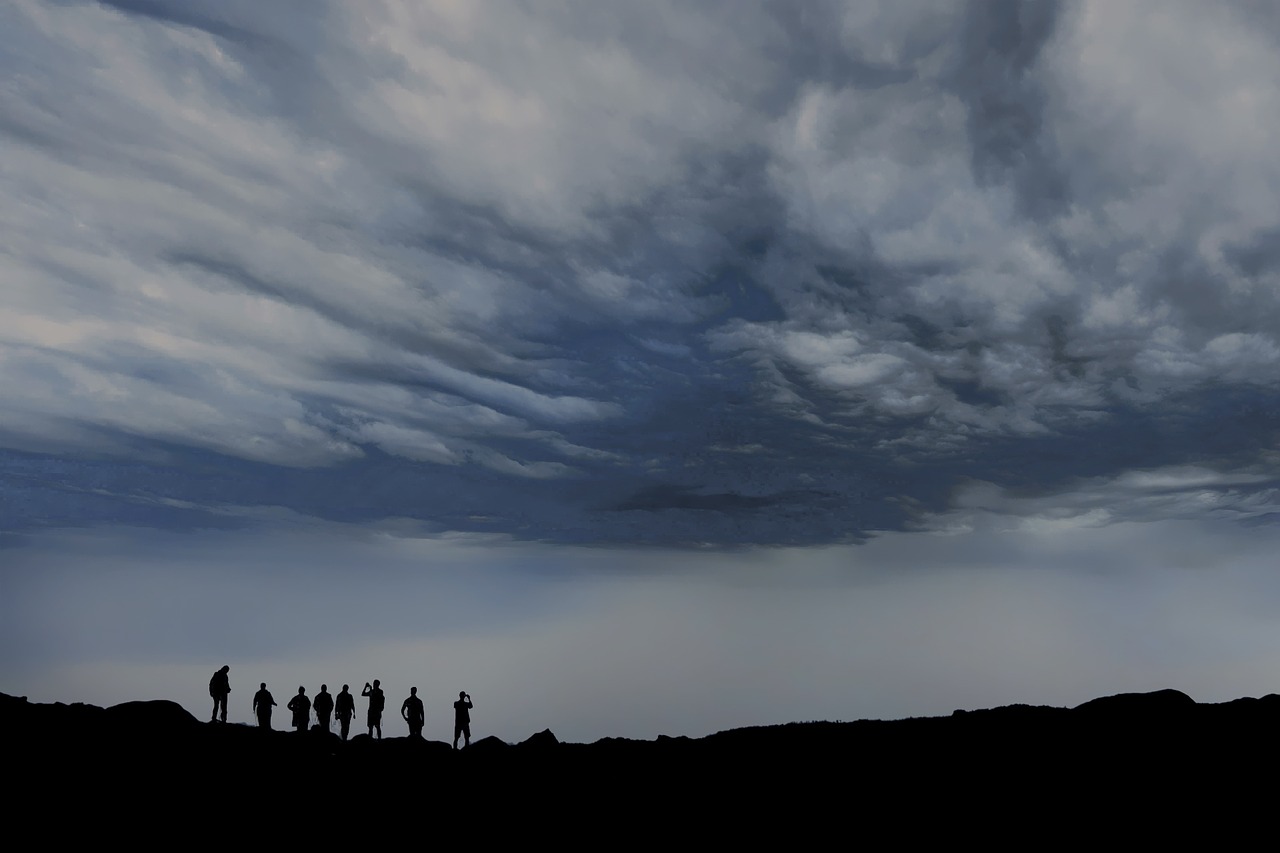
300, 705
263, 702
219, 688
413, 712
323, 706
345, 708
376, 703
462, 718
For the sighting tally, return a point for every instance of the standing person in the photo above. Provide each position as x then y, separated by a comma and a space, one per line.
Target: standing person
345, 709
300, 705
219, 687
413, 712
462, 718
323, 706
376, 703
263, 702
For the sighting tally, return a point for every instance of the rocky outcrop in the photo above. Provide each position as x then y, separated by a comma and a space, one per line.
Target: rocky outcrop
1025, 761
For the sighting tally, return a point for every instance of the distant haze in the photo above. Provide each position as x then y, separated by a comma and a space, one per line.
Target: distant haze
594, 643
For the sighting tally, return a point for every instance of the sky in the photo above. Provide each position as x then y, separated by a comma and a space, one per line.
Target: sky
639, 368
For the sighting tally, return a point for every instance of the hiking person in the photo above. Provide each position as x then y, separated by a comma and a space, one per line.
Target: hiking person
413, 712
219, 688
345, 708
300, 705
376, 703
323, 706
263, 702
462, 718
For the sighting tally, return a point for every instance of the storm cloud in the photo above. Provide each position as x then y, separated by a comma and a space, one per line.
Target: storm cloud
714, 274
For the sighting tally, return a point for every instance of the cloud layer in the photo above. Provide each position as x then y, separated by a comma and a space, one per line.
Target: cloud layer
718, 274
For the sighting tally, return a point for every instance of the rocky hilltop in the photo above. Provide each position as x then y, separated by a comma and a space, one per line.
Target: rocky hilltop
1117, 755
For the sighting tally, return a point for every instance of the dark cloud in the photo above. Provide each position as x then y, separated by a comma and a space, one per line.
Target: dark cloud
714, 274
996, 79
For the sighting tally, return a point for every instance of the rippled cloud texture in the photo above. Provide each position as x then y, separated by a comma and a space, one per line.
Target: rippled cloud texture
687, 275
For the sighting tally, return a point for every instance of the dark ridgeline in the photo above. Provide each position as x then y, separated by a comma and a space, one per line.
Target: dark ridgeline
1134, 765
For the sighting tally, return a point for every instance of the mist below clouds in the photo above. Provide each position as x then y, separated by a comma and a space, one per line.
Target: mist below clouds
594, 643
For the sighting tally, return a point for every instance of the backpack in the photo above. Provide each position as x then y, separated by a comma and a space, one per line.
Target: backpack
218, 685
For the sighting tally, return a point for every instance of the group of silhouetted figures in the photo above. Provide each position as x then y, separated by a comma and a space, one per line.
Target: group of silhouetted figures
343, 706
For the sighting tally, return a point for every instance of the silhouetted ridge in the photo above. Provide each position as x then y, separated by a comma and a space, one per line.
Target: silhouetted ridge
1030, 760
1139, 704
544, 739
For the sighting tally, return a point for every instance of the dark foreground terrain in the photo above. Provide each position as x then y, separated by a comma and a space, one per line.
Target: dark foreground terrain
1132, 767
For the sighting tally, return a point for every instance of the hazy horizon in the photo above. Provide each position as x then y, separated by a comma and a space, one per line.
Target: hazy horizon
591, 643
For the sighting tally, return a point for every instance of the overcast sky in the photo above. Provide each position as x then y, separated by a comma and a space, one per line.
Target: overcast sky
639, 367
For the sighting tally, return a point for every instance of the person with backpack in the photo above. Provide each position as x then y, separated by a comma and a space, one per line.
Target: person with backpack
219, 688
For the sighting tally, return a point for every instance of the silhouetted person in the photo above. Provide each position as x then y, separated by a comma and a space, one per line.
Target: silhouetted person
300, 705
376, 703
462, 719
413, 712
263, 702
323, 706
219, 687
345, 709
